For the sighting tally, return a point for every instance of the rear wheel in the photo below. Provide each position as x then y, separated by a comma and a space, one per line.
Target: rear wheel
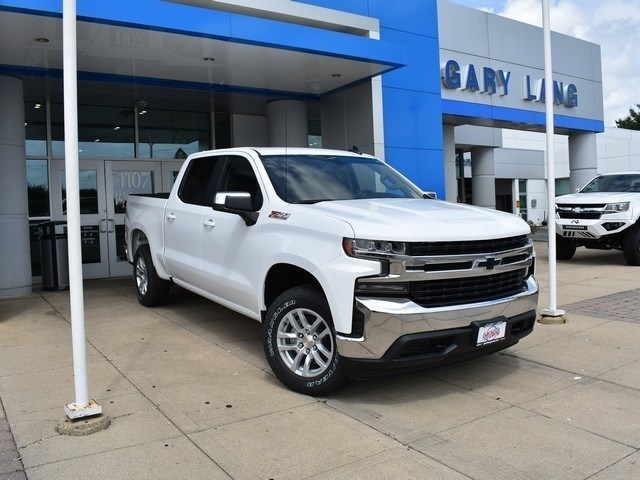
631, 246
565, 249
300, 342
151, 290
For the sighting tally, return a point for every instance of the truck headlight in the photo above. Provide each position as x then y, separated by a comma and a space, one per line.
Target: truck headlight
359, 247
616, 207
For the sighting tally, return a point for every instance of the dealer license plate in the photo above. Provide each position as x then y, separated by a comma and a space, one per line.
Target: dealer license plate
491, 333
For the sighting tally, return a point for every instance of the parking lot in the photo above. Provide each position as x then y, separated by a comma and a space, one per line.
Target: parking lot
190, 395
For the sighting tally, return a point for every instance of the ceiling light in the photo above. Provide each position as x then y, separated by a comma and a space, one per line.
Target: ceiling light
209, 59
41, 40
37, 106
96, 140
116, 128
336, 75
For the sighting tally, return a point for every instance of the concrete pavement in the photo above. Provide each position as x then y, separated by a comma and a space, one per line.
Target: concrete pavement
190, 395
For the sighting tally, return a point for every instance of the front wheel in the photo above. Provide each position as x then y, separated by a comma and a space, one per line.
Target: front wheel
565, 249
631, 246
300, 342
151, 290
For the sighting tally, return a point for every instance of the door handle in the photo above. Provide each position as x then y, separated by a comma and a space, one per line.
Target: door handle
111, 225
209, 223
171, 216
103, 225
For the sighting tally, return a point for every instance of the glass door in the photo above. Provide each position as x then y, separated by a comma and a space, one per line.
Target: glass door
122, 179
93, 224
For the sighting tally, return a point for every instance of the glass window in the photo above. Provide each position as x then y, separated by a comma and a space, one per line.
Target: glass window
102, 132
35, 128
238, 176
38, 188
88, 191
196, 184
130, 181
172, 134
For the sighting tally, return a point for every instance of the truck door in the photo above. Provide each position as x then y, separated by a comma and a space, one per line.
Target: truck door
183, 220
230, 248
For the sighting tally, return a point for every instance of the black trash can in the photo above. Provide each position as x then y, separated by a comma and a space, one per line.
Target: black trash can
54, 256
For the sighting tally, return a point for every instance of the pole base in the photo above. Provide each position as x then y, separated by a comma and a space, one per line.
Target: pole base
78, 410
83, 426
552, 317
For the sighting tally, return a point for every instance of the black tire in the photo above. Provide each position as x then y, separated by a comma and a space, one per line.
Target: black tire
299, 341
565, 249
151, 290
631, 246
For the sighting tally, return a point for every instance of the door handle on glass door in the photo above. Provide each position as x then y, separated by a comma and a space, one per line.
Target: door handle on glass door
103, 225
111, 225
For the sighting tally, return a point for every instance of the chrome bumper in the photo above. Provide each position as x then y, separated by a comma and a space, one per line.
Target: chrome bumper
387, 320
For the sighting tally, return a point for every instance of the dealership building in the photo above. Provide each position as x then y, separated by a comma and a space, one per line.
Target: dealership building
427, 86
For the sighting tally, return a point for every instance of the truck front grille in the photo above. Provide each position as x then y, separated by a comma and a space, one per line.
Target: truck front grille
418, 249
470, 289
581, 212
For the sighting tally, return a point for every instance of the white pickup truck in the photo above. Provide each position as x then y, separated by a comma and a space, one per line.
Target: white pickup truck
604, 214
352, 270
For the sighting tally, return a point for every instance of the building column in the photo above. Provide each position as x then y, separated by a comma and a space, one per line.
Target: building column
287, 123
583, 159
450, 172
483, 183
15, 254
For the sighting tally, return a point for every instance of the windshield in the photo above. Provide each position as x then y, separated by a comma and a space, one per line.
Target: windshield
627, 182
317, 178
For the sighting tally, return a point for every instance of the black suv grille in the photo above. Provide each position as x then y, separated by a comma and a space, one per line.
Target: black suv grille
583, 211
459, 291
419, 249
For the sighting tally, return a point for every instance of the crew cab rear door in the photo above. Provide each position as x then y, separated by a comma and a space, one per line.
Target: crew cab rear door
183, 219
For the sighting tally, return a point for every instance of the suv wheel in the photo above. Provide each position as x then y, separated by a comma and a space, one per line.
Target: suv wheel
565, 249
631, 245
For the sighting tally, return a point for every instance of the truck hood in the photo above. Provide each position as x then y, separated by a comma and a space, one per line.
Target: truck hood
597, 197
408, 220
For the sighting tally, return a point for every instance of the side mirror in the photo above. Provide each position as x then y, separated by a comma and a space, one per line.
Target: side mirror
430, 195
239, 203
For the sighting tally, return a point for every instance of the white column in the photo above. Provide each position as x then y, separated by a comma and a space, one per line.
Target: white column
583, 159
287, 123
450, 173
15, 254
483, 183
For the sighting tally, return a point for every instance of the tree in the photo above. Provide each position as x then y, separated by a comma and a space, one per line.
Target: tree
631, 121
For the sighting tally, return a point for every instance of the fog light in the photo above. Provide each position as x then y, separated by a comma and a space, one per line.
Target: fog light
610, 226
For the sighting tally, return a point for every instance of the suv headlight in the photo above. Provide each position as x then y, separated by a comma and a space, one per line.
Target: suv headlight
359, 247
616, 207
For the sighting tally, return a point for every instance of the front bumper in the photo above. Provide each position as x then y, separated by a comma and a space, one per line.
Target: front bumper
391, 325
579, 228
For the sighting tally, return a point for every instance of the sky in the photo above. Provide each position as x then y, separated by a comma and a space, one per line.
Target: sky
612, 24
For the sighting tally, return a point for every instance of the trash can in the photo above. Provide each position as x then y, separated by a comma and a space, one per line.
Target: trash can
54, 256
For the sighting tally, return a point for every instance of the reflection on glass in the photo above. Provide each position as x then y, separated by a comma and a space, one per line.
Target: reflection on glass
103, 131
38, 188
172, 134
35, 128
88, 191
120, 254
90, 241
34, 242
130, 181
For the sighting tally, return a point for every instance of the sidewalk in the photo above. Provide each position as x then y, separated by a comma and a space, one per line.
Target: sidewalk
190, 395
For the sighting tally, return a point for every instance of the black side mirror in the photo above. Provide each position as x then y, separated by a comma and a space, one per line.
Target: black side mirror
239, 203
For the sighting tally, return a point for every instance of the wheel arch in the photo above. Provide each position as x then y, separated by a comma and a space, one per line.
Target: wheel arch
282, 277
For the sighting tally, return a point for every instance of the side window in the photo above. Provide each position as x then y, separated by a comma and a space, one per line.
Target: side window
238, 176
196, 184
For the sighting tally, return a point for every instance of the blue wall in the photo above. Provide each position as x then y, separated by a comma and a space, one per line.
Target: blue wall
411, 94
